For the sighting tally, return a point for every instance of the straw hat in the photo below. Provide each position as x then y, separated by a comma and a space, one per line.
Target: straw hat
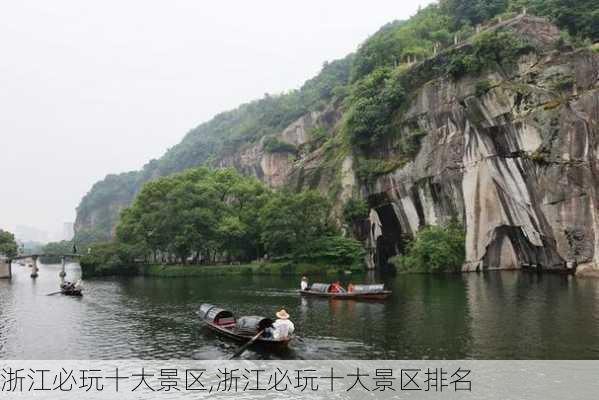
282, 314
304, 278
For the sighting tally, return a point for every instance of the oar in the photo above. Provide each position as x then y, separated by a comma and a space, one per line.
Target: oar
50, 294
245, 346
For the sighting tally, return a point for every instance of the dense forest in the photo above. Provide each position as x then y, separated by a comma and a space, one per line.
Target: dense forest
370, 87
207, 216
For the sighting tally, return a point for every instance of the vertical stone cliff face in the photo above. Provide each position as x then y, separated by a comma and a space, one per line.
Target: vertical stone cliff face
282, 168
516, 164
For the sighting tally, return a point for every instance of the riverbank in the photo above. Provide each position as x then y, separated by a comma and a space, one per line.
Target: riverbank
184, 271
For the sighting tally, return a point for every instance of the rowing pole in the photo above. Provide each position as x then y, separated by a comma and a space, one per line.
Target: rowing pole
245, 346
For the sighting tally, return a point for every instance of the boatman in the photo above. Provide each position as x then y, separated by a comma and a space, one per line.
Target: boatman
304, 283
282, 327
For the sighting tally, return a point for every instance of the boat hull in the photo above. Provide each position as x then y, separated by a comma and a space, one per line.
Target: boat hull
76, 293
382, 295
266, 343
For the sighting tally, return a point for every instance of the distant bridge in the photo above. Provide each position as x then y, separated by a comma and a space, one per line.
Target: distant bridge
33, 257
37, 255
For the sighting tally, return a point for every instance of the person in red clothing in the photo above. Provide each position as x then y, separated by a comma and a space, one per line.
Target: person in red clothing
336, 287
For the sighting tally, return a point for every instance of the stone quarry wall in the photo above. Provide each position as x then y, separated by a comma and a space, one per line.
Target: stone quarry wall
517, 164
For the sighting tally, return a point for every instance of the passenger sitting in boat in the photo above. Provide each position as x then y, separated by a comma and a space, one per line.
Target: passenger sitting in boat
336, 288
304, 283
282, 327
350, 288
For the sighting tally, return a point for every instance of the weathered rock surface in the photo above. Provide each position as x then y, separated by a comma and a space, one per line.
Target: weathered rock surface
517, 165
276, 168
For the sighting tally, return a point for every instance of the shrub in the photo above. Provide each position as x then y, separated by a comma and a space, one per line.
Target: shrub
318, 136
8, 244
487, 49
482, 87
369, 169
112, 254
563, 83
274, 145
540, 156
355, 210
434, 249
372, 103
409, 145
332, 250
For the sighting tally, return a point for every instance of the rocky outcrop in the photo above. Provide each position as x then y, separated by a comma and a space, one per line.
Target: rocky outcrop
516, 164
286, 167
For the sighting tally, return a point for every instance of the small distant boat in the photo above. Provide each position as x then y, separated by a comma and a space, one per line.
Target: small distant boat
358, 292
241, 329
69, 289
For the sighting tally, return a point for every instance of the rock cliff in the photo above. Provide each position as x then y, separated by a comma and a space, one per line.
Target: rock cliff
510, 152
517, 164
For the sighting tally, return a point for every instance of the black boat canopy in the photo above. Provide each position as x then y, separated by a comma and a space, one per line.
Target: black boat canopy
214, 313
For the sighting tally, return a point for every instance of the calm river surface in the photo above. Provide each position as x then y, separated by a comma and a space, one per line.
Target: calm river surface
484, 316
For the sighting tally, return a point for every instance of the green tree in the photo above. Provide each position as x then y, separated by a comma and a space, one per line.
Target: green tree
579, 17
292, 222
55, 249
8, 244
355, 210
197, 214
473, 12
372, 104
434, 249
402, 41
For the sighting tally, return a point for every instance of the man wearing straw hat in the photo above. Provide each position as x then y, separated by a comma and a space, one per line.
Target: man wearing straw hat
283, 327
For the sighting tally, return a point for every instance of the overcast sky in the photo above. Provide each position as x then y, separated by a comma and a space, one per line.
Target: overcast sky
89, 88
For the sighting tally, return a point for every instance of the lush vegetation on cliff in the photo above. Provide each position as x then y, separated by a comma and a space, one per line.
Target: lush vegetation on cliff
8, 244
208, 216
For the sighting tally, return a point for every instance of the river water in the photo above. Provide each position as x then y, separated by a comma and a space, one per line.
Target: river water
500, 315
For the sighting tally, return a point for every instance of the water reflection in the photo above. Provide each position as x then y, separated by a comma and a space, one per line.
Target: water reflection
549, 316
494, 315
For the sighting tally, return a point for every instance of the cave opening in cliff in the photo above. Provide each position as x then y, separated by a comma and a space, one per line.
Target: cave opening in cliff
389, 244
510, 249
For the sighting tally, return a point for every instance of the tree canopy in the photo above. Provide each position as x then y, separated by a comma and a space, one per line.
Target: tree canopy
205, 215
8, 244
434, 249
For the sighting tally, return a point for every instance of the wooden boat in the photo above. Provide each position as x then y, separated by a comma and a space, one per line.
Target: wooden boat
242, 329
68, 289
359, 292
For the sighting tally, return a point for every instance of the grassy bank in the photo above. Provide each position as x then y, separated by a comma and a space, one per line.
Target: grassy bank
184, 271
